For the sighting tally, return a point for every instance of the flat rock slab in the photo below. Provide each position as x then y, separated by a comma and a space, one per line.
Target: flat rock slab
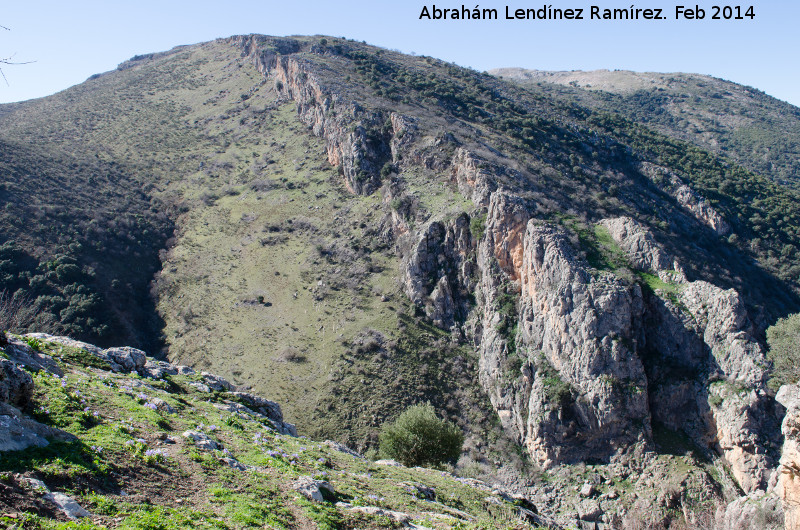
67, 505
311, 489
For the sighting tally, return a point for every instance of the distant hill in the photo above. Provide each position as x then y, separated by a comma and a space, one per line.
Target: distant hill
742, 123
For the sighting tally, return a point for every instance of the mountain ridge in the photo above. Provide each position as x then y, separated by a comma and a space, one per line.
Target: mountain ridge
345, 220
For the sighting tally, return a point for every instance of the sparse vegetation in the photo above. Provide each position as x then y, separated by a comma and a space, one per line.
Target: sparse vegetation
783, 340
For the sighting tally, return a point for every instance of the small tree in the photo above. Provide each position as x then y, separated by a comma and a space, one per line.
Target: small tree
419, 438
783, 339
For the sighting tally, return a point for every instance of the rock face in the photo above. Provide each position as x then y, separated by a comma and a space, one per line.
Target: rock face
707, 371
358, 141
438, 272
693, 202
583, 389
472, 177
578, 363
16, 385
640, 246
788, 486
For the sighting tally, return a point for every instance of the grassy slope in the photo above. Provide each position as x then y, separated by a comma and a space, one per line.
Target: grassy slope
263, 214
109, 472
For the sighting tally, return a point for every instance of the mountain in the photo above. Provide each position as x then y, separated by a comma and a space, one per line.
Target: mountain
739, 122
349, 230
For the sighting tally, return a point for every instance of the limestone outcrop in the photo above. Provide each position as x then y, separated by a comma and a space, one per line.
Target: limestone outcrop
583, 388
357, 140
788, 483
19, 431
438, 269
697, 205
707, 369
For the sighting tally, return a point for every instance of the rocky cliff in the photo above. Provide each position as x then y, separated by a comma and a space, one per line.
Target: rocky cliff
579, 362
388, 229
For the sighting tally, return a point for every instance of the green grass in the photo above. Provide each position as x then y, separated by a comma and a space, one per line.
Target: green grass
110, 452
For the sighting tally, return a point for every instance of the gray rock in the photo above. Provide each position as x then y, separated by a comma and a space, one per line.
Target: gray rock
582, 390
202, 441
759, 510
311, 489
66, 341
587, 490
706, 331
67, 505
216, 383
201, 386
19, 352
434, 260
589, 511
388, 462
16, 385
697, 205
162, 405
158, 369
398, 517
336, 446
421, 490
127, 358
268, 408
640, 245
17, 434
185, 370
36, 484
235, 464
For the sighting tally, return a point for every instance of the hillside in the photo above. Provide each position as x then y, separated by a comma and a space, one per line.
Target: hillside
755, 130
158, 448
350, 230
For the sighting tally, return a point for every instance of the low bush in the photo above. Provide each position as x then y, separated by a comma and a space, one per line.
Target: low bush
419, 438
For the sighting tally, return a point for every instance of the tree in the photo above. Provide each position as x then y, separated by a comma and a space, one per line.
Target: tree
419, 438
783, 339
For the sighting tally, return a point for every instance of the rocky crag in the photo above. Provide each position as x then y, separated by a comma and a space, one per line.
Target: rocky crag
593, 279
580, 362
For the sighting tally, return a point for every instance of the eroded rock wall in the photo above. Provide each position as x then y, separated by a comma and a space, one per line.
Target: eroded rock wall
707, 371
358, 140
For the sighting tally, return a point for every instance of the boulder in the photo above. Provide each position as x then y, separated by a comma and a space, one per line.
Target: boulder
202, 440
311, 489
126, 358
16, 385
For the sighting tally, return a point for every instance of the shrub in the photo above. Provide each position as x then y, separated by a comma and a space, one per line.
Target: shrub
783, 339
419, 438
477, 226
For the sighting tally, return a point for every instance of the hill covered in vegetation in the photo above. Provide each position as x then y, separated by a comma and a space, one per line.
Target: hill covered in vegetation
351, 231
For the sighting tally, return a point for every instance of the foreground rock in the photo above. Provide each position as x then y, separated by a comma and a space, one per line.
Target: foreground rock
312, 489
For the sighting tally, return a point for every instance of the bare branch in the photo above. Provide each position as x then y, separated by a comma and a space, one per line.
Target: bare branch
8, 61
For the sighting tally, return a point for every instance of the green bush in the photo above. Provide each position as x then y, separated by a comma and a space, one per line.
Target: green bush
783, 339
419, 438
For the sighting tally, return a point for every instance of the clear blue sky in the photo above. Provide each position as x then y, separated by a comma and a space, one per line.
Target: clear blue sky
69, 41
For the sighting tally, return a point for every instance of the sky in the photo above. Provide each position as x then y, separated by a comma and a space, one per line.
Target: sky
63, 43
